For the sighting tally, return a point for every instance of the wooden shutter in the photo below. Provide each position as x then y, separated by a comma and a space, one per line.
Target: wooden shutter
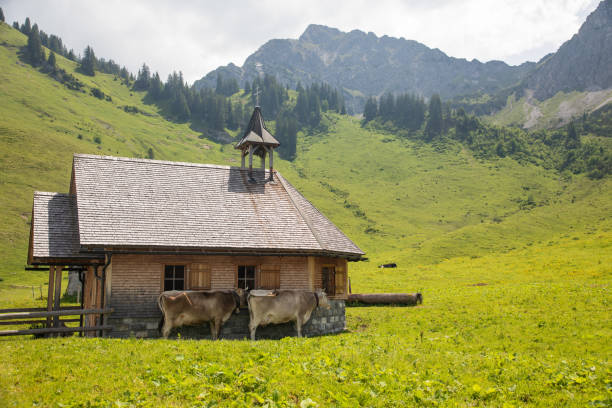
269, 277
199, 276
340, 280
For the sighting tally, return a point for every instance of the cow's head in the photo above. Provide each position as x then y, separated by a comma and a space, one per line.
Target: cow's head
419, 298
242, 294
323, 300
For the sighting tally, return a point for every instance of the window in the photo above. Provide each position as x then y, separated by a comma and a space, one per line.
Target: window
329, 280
269, 277
199, 276
174, 277
246, 277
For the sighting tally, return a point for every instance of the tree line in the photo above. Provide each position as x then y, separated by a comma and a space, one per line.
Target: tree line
439, 123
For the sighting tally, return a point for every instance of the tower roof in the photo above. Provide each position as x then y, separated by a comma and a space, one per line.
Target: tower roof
256, 133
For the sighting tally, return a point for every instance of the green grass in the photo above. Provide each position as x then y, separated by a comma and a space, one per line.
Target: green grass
534, 332
514, 262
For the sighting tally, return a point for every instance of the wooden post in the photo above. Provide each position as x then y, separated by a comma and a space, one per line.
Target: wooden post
58, 293
242, 159
50, 293
271, 164
263, 162
250, 161
311, 273
98, 304
88, 298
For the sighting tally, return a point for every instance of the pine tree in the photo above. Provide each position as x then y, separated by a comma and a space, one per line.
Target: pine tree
88, 62
144, 79
155, 89
434, 121
181, 108
370, 111
15, 25
1, 15
51, 63
26, 27
71, 55
573, 140
35, 52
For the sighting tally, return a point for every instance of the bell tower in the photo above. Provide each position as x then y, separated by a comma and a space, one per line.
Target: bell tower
257, 140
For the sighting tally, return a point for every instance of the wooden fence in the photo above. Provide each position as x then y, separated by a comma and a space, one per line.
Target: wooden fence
43, 316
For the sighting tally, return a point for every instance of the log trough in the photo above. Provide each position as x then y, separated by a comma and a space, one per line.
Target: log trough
408, 299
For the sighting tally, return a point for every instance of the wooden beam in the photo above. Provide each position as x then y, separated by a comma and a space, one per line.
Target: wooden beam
16, 322
386, 298
58, 293
89, 296
50, 293
54, 313
271, 164
311, 272
250, 160
242, 159
52, 330
37, 309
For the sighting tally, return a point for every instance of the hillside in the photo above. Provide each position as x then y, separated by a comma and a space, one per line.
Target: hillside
363, 64
427, 202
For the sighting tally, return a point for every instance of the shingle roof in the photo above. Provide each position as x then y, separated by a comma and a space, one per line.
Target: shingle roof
148, 203
55, 233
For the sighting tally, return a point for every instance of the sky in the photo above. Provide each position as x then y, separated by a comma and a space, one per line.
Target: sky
196, 37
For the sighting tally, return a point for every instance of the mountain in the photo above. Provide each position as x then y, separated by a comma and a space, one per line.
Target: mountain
581, 64
363, 64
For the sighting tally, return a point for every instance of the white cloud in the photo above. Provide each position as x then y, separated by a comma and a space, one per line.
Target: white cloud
196, 37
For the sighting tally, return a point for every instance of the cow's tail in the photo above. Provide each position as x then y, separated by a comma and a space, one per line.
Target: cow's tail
160, 304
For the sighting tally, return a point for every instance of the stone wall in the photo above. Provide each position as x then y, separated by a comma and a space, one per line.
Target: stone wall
322, 321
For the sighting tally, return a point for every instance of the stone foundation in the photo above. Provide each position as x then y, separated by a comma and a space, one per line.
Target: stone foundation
322, 321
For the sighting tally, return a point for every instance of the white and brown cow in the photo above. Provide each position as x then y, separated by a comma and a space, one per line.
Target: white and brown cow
283, 306
185, 308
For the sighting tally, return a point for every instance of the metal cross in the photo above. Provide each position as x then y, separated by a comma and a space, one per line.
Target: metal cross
257, 93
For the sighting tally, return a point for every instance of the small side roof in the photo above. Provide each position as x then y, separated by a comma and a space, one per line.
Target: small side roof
54, 231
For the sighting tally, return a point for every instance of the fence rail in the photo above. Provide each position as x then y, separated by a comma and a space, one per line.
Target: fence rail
25, 316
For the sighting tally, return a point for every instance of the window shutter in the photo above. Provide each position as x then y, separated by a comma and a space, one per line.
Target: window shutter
269, 277
199, 276
340, 280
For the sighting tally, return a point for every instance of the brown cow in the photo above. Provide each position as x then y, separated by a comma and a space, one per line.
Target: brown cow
284, 306
182, 308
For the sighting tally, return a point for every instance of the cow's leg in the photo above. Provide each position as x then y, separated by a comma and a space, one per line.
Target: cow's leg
298, 326
166, 328
218, 325
252, 328
213, 331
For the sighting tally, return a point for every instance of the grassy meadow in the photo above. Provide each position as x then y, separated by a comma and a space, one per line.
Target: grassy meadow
514, 262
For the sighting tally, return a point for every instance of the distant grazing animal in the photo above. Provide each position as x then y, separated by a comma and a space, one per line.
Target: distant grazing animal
389, 265
182, 308
284, 306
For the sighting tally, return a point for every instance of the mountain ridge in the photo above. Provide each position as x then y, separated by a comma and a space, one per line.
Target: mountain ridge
364, 64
